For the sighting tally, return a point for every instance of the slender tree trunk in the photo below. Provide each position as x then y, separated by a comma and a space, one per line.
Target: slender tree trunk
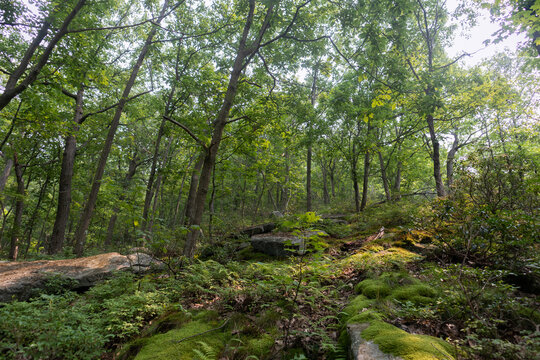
66, 178
326, 195
366, 180
397, 181
133, 164
84, 222
384, 178
150, 184
450, 162
179, 199
313, 99
308, 180
439, 185
14, 86
332, 170
30, 227
188, 213
19, 205
5, 174
355, 180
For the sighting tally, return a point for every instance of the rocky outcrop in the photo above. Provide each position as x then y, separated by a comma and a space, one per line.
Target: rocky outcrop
361, 349
21, 279
283, 244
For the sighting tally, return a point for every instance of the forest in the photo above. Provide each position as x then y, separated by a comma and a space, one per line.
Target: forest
307, 179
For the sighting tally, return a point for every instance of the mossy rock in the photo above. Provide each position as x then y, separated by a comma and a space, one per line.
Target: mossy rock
357, 305
192, 338
418, 294
373, 288
392, 340
249, 254
166, 322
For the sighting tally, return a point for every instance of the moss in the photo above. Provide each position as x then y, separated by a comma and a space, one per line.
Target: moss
366, 316
168, 321
418, 294
356, 306
373, 288
392, 340
259, 346
130, 350
166, 346
390, 259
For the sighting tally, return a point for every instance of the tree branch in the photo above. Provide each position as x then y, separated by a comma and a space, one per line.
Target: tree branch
186, 129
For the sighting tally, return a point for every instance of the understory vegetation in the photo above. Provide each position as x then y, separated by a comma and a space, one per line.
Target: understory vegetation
421, 294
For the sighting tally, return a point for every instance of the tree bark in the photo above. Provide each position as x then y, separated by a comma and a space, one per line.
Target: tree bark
5, 174
397, 181
150, 184
133, 164
192, 195
354, 173
365, 180
19, 205
439, 185
66, 177
384, 178
13, 87
84, 222
450, 162
308, 178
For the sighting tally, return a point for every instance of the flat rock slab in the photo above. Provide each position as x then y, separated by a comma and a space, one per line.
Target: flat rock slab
20, 279
278, 245
283, 244
362, 349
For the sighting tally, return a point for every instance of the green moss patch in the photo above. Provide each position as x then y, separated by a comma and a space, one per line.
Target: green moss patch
166, 346
357, 305
373, 289
392, 340
418, 294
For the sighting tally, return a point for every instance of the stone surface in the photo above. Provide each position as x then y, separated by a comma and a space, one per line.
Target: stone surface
278, 244
362, 349
20, 279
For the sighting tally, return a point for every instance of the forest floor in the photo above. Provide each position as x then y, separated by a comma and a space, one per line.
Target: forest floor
240, 304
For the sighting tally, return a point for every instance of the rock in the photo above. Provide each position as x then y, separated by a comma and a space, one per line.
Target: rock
256, 230
279, 245
21, 279
362, 349
277, 214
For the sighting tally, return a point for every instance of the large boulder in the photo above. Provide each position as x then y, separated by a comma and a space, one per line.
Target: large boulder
22, 279
361, 349
282, 244
278, 245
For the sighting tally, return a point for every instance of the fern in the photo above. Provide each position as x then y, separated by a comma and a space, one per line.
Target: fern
206, 353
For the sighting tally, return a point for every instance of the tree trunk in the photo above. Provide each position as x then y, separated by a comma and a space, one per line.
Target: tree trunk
13, 87
19, 204
326, 195
450, 162
133, 164
179, 199
308, 179
332, 170
439, 185
354, 173
150, 184
397, 181
366, 180
221, 121
30, 226
66, 177
84, 222
5, 174
189, 210
384, 178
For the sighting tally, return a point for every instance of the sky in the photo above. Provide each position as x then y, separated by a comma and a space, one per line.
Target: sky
473, 42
